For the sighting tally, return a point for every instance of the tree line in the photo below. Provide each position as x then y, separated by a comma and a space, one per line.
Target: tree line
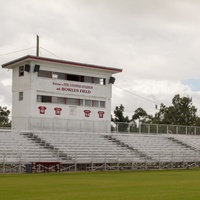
181, 112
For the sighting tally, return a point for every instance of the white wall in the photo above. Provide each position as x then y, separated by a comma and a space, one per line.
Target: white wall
26, 114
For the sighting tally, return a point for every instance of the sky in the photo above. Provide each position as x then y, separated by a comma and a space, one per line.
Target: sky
156, 43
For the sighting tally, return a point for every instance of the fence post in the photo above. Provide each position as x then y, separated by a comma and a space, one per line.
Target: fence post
92, 167
176, 129
139, 127
118, 161
75, 163
105, 162
157, 129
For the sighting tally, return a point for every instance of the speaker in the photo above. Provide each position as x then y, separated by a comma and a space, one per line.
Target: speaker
37, 68
112, 80
27, 68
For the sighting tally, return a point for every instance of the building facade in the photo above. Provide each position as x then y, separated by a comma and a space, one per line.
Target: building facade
51, 94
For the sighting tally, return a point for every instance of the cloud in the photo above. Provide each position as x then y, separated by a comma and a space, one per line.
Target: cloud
149, 93
157, 43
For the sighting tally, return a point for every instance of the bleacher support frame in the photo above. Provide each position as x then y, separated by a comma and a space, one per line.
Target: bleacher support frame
117, 166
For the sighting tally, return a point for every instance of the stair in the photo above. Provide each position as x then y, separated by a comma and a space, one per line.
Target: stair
55, 151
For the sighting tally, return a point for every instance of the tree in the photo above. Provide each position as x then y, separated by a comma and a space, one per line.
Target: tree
119, 114
4, 117
120, 119
141, 115
182, 112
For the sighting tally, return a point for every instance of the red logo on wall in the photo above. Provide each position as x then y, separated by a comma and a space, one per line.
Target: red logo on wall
101, 113
57, 110
42, 109
87, 113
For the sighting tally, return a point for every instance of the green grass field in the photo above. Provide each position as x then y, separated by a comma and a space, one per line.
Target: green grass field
148, 185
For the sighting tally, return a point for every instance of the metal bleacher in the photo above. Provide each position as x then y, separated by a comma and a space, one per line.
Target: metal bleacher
162, 148
15, 148
87, 147
129, 151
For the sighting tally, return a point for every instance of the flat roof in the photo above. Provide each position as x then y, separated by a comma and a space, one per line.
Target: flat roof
10, 64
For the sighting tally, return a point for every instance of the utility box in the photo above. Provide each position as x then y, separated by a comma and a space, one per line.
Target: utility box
28, 168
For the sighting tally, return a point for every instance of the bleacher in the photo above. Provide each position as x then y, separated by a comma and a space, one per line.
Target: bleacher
88, 147
160, 147
97, 148
15, 148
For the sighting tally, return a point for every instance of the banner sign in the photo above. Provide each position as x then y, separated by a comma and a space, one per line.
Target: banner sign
74, 88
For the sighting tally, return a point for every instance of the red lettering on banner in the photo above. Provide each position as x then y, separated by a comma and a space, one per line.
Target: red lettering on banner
74, 88
87, 113
101, 113
57, 110
42, 109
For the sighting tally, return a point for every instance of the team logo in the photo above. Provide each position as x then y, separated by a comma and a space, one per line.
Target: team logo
87, 113
42, 109
57, 110
101, 113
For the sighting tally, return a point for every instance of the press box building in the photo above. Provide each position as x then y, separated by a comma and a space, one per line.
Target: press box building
51, 94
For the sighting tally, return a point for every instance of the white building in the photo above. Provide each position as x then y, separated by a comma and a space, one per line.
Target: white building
51, 94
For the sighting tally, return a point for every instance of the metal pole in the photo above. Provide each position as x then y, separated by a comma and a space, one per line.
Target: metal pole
92, 167
75, 167
118, 161
37, 46
105, 162
139, 127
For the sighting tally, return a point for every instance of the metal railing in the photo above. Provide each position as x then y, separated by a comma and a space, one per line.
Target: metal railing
120, 127
36, 123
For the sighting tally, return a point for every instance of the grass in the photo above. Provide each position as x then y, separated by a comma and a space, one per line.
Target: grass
134, 185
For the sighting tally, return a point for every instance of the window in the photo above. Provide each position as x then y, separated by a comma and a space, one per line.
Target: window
44, 99
95, 103
46, 74
21, 71
102, 81
102, 104
88, 79
68, 101
69, 77
88, 103
81, 102
21, 96
96, 80
59, 100
57, 75
61, 76
74, 102
72, 77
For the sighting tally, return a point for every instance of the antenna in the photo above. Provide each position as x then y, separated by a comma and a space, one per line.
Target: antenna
37, 47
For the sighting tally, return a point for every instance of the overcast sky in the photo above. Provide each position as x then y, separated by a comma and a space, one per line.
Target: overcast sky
155, 42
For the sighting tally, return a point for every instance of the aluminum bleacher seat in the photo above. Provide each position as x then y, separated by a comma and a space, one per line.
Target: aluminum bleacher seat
159, 147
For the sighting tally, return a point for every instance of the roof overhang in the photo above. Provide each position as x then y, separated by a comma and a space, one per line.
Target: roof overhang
27, 58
